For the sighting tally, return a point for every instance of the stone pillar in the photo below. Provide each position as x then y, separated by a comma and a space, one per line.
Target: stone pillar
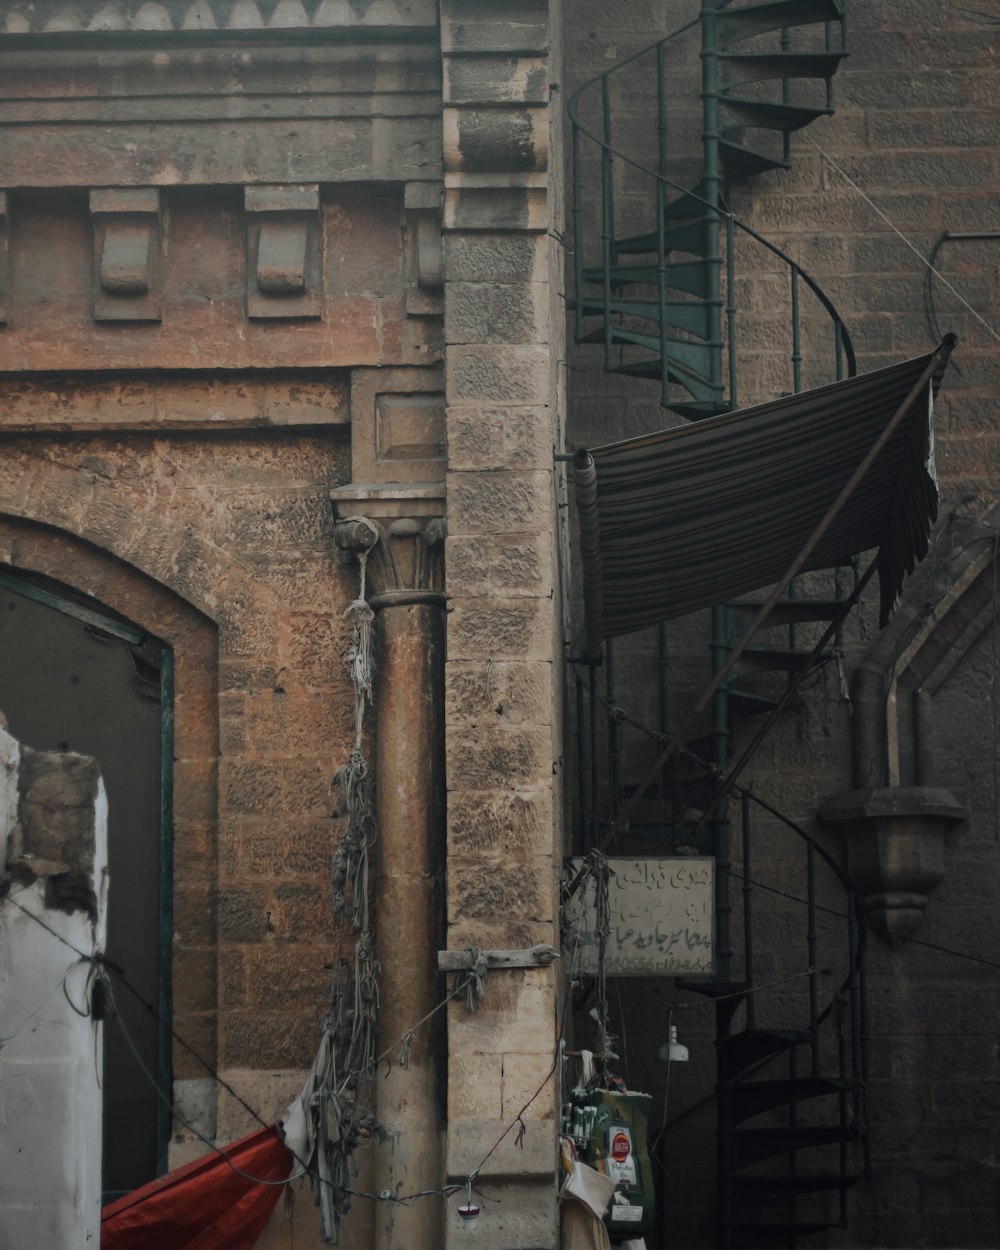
504, 352
404, 538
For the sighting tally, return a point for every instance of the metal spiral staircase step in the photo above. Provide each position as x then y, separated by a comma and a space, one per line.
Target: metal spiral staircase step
692, 236
742, 705
695, 357
698, 387
750, 1098
771, 114
755, 19
776, 660
747, 1146
790, 611
758, 66
701, 410
740, 1051
750, 1234
751, 1191
742, 163
691, 204
683, 275
687, 315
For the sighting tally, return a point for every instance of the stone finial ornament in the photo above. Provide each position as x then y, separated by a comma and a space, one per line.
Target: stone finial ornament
895, 850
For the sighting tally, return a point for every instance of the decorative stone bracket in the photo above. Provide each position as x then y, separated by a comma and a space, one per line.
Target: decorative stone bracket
128, 281
422, 206
895, 849
283, 251
895, 820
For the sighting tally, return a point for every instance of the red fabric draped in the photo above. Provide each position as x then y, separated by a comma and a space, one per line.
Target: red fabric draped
204, 1206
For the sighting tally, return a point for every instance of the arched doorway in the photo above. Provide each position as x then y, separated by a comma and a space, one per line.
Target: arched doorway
76, 677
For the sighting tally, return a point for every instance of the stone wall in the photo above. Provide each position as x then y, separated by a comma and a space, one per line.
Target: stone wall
913, 129
202, 270
503, 333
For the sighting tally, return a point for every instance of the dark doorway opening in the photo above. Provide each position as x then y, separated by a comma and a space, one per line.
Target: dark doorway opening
76, 677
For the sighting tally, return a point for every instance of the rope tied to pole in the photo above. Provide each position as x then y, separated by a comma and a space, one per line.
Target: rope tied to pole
475, 981
340, 1081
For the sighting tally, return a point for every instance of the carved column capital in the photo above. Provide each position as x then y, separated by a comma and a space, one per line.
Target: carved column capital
400, 531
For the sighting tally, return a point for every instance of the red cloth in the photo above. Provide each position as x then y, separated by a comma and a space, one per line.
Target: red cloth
204, 1206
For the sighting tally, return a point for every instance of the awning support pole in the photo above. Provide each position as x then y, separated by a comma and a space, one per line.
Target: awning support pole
937, 361
585, 482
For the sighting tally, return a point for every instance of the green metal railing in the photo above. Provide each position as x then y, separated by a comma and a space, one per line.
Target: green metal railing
659, 316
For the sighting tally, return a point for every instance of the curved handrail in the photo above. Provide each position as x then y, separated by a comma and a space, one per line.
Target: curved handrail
609, 151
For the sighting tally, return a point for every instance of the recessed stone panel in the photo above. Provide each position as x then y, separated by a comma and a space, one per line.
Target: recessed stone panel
410, 427
398, 425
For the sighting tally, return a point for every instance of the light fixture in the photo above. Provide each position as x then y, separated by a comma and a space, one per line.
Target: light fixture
673, 1051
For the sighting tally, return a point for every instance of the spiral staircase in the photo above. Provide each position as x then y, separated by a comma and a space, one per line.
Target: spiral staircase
661, 290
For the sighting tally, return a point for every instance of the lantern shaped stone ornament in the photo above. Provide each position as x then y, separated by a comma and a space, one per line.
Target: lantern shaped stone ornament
895, 849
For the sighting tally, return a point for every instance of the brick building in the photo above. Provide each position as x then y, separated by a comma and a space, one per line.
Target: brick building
283, 296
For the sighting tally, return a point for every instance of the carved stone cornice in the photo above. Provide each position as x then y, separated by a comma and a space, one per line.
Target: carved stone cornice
193, 17
400, 530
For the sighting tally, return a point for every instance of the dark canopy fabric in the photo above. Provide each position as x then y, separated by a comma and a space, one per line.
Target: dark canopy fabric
707, 512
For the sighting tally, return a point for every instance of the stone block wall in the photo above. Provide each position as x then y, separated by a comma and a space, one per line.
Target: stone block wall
913, 130
503, 354
201, 273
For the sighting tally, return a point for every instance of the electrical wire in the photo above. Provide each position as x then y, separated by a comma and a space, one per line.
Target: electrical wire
9, 1037
385, 1195
172, 1108
895, 229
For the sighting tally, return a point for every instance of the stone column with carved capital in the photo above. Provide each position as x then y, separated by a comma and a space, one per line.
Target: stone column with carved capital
401, 532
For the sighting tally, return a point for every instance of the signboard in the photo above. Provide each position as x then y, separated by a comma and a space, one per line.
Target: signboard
662, 919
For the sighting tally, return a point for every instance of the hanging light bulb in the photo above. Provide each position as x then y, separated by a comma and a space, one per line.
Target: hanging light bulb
468, 1211
673, 1051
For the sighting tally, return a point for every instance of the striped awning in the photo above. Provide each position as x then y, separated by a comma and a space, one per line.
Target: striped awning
697, 515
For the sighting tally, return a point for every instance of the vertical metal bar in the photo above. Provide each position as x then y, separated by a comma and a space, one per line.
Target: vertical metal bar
796, 334
164, 1073
747, 912
811, 954
583, 764
796, 387
838, 594
860, 1025
838, 330
661, 107
663, 663
711, 84
578, 266
792, 1160
607, 216
731, 307
661, 215
614, 730
723, 1137
842, 1117
723, 903
786, 95
719, 827
661, 285
592, 822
